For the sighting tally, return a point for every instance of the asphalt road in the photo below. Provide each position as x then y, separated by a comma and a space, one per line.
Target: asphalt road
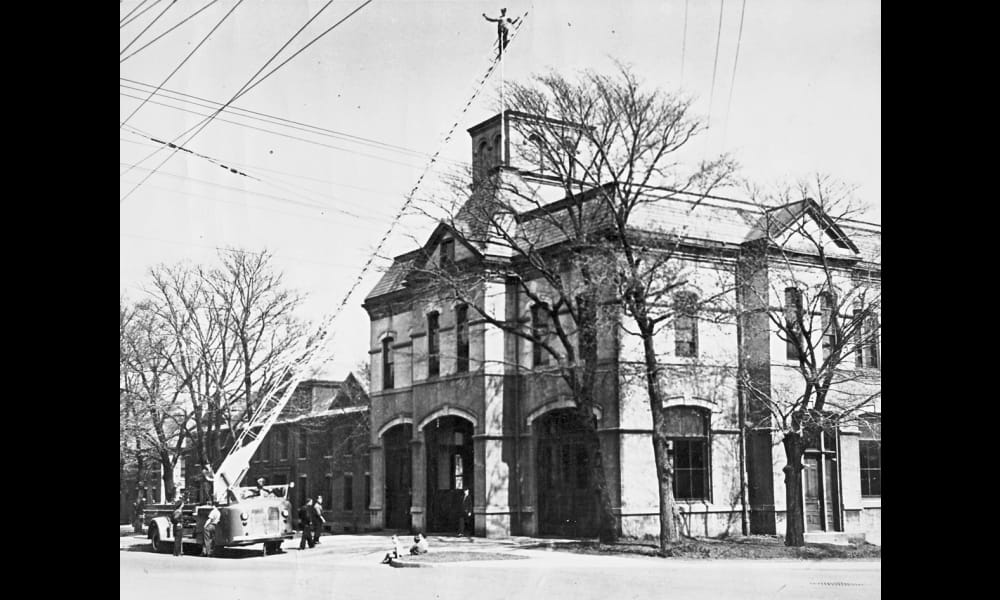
347, 567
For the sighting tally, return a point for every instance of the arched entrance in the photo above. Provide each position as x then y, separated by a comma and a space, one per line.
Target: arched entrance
449, 471
398, 476
566, 504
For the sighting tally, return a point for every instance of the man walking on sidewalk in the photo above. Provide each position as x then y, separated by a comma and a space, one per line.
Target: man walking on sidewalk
318, 518
209, 532
306, 514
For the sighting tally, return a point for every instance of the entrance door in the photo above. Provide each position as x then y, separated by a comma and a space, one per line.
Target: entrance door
398, 468
821, 489
449, 471
566, 504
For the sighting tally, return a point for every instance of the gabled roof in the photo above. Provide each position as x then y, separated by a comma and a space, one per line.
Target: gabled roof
778, 221
316, 398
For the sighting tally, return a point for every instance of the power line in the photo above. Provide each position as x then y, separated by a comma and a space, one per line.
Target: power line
732, 84
715, 63
127, 15
309, 127
201, 126
186, 58
271, 131
123, 22
154, 40
151, 23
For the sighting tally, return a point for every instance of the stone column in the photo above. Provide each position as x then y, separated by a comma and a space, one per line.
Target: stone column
418, 482
492, 512
376, 510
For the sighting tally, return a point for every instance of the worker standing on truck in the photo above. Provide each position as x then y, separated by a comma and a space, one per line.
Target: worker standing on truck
208, 534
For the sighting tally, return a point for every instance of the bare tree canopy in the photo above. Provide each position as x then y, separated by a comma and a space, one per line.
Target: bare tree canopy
202, 348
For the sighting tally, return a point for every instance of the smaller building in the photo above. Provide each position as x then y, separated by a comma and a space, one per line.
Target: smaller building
320, 443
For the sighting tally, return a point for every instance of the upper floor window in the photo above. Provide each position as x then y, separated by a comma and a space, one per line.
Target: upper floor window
830, 324
388, 369
870, 449
793, 324
303, 444
462, 338
687, 430
540, 333
536, 141
497, 151
446, 258
281, 443
433, 345
866, 345
686, 324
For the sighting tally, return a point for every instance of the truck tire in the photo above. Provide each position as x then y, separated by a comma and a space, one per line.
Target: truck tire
154, 539
272, 548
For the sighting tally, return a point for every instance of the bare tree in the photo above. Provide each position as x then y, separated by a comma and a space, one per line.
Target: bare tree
599, 150
813, 277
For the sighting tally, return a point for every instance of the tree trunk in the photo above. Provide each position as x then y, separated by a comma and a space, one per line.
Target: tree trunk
607, 530
794, 517
168, 477
664, 469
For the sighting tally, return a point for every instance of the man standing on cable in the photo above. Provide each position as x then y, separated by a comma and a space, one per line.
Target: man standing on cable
503, 24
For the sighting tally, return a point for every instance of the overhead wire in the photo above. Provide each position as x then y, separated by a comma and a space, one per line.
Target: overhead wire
145, 29
715, 63
732, 83
268, 118
684, 39
182, 63
157, 38
246, 87
129, 13
124, 23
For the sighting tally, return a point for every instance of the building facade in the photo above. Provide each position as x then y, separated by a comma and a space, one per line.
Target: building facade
459, 403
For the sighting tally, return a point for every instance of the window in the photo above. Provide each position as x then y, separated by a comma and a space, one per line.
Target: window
462, 338
348, 491
870, 449
536, 140
303, 444
281, 443
328, 489
482, 159
866, 352
303, 486
793, 323
830, 324
540, 333
497, 151
686, 324
687, 430
433, 345
387, 365
349, 443
446, 255
459, 472
368, 490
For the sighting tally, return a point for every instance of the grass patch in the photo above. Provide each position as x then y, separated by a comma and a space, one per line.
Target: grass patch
748, 547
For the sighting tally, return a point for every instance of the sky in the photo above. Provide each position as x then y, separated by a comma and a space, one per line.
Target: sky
331, 144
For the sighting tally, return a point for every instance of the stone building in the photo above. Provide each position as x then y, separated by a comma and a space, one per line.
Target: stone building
458, 403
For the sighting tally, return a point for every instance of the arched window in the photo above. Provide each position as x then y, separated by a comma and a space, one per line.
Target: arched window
433, 345
388, 369
687, 431
481, 160
536, 140
497, 151
686, 324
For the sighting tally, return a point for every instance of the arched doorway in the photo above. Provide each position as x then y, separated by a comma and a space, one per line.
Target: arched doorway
449, 471
398, 476
566, 504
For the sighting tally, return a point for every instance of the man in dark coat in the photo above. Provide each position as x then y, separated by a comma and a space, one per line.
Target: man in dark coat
465, 517
177, 522
306, 514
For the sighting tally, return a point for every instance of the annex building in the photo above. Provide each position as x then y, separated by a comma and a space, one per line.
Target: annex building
458, 403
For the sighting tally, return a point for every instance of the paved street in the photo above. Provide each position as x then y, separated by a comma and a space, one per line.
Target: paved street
347, 566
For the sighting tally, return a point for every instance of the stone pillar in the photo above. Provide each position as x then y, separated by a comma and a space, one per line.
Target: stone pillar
376, 510
493, 505
529, 480
418, 482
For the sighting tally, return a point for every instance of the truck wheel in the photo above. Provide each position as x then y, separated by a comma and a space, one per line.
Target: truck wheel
154, 539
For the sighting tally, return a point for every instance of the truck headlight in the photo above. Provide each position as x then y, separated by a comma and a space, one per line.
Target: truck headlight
244, 515
284, 513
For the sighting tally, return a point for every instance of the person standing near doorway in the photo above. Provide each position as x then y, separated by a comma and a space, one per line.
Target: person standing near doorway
465, 516
177, 524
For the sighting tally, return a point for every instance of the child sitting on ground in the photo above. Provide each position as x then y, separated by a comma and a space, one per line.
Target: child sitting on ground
397, 550
421, 546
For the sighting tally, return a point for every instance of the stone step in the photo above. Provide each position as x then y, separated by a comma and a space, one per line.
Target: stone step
839, 538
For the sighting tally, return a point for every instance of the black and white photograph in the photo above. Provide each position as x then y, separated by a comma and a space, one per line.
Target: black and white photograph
464, 299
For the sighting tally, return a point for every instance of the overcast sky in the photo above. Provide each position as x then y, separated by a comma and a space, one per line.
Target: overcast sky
389, 82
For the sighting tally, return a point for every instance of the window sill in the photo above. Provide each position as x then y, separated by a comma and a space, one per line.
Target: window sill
871, 502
